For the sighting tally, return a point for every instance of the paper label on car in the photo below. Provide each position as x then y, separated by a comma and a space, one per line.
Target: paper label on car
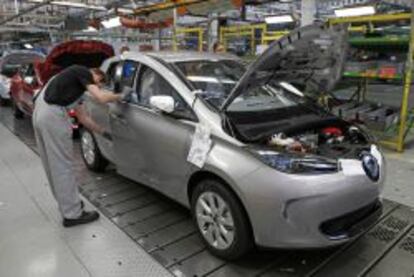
200, 146
351, 167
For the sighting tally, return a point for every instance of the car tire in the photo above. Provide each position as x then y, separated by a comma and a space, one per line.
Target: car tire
239, 240
91, 155
76, 133
18, 114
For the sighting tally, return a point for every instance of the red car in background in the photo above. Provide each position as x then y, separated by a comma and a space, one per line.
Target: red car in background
30, 79
10, 64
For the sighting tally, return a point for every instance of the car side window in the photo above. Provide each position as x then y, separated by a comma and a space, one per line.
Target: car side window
110, 76
128, 75
151, 83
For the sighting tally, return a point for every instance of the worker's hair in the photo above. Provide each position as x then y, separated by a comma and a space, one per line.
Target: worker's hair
99, 73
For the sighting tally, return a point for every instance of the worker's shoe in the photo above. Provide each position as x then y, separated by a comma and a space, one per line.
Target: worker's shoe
86, 217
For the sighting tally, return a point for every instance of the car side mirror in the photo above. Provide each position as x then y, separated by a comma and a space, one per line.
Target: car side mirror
163, 103
28, 80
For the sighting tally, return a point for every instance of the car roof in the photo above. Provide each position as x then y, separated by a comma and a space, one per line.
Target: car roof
183, 56
22, 52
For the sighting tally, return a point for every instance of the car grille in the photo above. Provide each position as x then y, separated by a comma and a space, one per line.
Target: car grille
352, 224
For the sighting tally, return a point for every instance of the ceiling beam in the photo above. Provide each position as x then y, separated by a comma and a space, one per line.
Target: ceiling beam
23, 12
164, 6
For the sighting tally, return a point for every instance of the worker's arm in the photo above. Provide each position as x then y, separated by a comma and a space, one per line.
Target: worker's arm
87, 121
102, 96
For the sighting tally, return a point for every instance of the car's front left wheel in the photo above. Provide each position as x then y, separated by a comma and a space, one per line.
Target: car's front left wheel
91, 154
221, 220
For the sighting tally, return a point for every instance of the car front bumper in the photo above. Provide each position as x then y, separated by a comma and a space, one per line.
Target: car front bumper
294, 211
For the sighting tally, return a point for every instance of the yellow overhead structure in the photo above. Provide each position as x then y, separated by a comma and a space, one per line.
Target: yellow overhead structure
268, 37
249, 31
197, 32
371, 18
240, 31
398, 141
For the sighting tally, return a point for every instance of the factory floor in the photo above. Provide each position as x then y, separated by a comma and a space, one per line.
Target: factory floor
141, 233
34, 243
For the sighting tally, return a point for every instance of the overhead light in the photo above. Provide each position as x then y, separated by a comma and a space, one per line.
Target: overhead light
125, 11
357, 11
279, 19
90, 29
112, 22
28, 46
72, 4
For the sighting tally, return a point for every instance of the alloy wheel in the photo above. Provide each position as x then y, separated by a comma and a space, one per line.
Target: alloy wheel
88, 147
215, 220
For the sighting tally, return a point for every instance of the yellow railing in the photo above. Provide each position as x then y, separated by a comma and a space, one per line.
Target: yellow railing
367, 22
197, 31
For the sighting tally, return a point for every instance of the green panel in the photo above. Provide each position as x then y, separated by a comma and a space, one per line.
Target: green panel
394, 43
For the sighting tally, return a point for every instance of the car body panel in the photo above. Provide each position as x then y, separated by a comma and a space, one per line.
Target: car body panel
285, 210
141, 138
300, 203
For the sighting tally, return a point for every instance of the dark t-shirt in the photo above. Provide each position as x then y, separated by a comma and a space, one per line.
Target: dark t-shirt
68, 86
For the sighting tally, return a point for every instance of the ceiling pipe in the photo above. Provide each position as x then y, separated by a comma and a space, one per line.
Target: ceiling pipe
23, 12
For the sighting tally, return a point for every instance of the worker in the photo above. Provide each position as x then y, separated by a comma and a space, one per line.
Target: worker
53, 134
218, 47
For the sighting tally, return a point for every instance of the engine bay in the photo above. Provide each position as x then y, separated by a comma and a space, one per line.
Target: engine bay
328, 141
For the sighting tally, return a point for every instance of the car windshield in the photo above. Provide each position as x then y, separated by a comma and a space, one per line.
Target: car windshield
216, 79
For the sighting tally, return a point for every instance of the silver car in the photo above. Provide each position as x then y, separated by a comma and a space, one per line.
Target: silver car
252, 156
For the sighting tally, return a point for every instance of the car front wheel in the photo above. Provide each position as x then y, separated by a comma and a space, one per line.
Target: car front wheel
91, 154
221, 220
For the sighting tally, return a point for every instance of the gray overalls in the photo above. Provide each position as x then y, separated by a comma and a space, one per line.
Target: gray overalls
53, 133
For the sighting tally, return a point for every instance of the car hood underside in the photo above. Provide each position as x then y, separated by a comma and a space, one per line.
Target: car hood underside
311, 57
81, 52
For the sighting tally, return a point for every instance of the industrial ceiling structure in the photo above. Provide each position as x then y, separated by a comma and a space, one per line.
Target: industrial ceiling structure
25, 19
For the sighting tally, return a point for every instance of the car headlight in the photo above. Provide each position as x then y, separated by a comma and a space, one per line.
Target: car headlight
295, 164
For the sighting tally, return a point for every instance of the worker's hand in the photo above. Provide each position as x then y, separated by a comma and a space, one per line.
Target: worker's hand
126, 96
102, 96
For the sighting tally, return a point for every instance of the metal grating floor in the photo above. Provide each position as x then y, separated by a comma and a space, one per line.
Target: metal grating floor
165, 230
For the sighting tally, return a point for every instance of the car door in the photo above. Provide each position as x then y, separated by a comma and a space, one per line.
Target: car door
100, 112
152, 147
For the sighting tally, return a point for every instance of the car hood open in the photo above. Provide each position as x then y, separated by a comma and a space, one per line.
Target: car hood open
82, 52
311, 57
